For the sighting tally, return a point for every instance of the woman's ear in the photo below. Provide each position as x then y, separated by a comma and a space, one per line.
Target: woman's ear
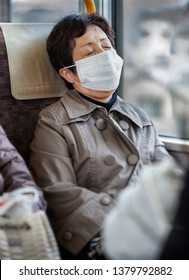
67, 74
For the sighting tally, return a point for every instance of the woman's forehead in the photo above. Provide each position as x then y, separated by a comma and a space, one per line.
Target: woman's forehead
93, 33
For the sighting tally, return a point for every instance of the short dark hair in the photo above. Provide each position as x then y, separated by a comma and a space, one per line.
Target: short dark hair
60, 42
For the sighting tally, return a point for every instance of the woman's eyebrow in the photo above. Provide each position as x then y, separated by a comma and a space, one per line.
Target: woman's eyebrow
104, 39
90, 43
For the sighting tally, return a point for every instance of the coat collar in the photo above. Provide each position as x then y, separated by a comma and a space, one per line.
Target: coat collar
75, 111
75, 105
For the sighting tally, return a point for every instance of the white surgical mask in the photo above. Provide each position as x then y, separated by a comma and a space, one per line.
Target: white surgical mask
101, 71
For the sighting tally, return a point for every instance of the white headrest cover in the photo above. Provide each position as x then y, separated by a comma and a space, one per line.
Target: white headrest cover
31, 74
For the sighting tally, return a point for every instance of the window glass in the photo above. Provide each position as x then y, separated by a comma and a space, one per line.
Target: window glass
47, 11
42, 10
156, 55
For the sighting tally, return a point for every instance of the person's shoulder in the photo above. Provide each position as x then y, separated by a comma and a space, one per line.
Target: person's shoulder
55, 112
60, 105
141, 112
2, 130
136, 111
55, 108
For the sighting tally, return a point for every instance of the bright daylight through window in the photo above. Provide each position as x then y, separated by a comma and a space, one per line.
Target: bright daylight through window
156, 51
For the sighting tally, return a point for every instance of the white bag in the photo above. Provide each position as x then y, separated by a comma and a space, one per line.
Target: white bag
23, 234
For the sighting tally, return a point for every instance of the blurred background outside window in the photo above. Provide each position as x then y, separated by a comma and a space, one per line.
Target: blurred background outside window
156, 55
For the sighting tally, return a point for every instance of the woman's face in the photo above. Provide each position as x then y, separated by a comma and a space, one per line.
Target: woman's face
93, 42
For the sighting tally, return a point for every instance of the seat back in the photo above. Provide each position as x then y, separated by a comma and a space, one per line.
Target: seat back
18, 109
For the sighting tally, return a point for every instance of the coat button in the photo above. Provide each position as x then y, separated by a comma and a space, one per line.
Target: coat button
100, 124
132, 159
124, 125
67, 236
105, 200
110, 160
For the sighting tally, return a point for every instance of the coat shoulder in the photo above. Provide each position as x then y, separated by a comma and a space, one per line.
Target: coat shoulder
144, 117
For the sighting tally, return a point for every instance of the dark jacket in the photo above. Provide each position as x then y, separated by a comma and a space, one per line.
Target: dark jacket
14, 173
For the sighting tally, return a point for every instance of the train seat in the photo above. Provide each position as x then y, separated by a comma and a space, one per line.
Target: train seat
28, 82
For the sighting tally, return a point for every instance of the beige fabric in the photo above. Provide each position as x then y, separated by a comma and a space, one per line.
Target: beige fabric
31, 74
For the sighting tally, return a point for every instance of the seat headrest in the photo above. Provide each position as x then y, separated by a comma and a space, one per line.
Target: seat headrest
31, 73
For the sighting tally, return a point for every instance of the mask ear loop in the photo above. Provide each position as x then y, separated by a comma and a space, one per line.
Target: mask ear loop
67, 67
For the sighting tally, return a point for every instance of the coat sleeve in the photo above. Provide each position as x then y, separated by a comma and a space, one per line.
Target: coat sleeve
150, 137
160, 152
76, 213
14, 172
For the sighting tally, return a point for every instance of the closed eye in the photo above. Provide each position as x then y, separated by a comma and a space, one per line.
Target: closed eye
89, 53
107, 47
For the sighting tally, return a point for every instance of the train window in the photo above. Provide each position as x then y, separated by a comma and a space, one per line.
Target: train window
156, 55
47, 11
153, 105
42, 10
36, 11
